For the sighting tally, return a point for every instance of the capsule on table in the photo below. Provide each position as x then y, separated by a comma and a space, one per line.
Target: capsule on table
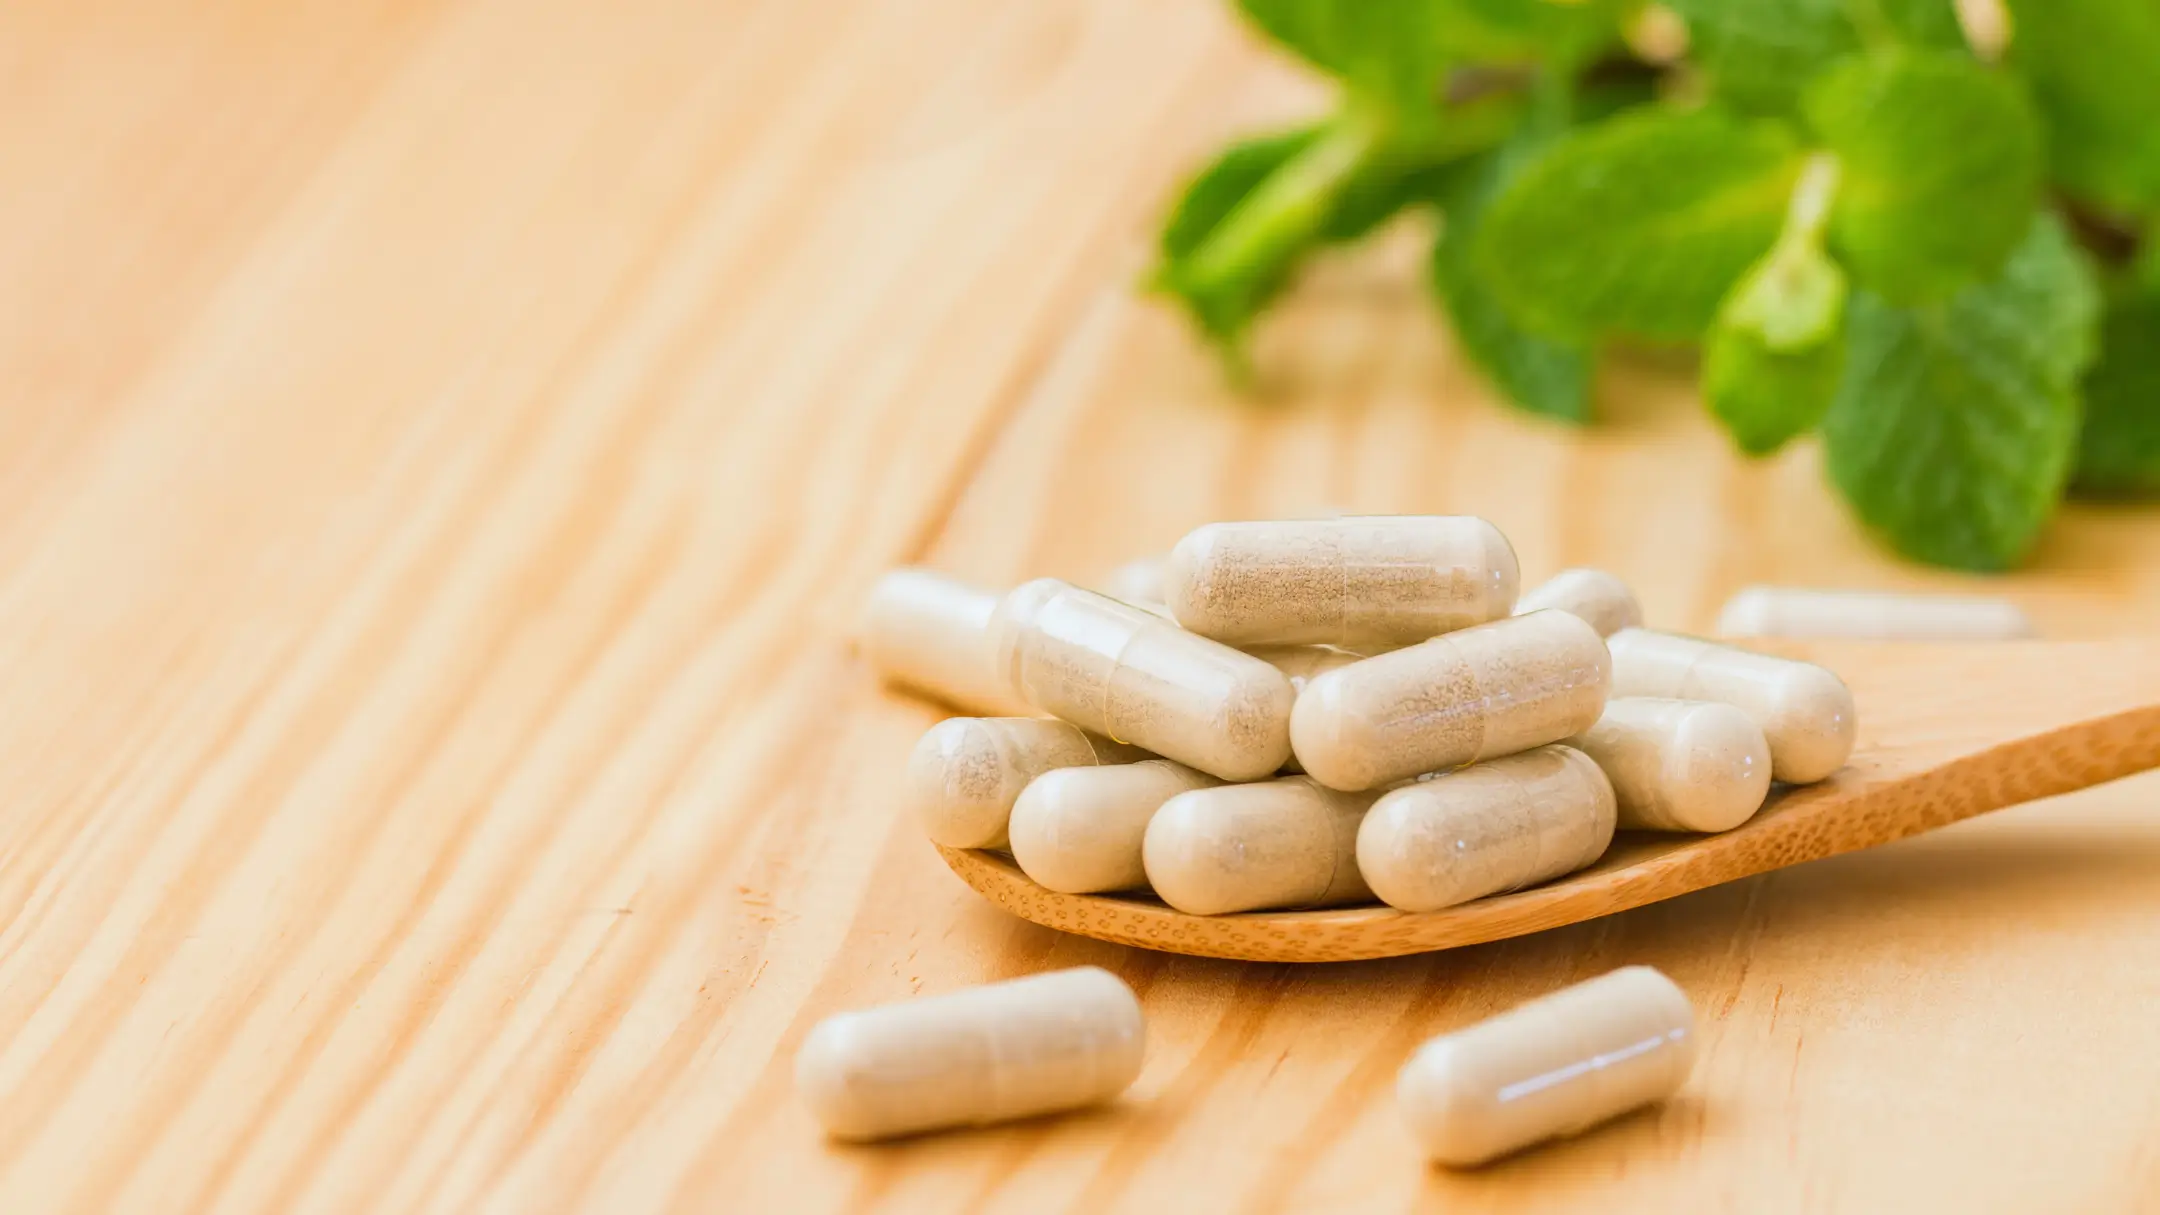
1491, 827
1553, 1067
1680, 765
1282, 843
1139, 581
1376, 580
1124, 672
1049, 1042
1081, 830
966, 772
1603, 601
1804, 711
1782, 611
929, 633
1491, 690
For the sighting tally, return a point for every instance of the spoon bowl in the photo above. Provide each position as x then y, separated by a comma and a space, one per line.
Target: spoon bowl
1946, 732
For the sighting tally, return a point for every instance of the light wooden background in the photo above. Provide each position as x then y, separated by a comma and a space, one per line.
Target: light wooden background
443, 444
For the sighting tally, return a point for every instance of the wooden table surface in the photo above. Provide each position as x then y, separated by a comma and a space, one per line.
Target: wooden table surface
443, 446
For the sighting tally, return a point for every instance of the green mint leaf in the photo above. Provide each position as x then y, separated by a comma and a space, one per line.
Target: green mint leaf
1539, 374
1244, 224
1760, 54
1939, 163
1638, 225
1217, 190
1953, 428
1766, 398
2119, 451
1526, 31
1773, 360
2094, 66
1231, 243
1389, 51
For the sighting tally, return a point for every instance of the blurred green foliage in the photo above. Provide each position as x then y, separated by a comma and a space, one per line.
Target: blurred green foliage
1935, 257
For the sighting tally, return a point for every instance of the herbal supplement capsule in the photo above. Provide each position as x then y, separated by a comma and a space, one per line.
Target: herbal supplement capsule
966, 772
1491, 690
1602, 600
1491, 827
1779, 611
1080, 830
1138, 581
1805, 711
1680, 765
1550, 1068
928, 632
1048, 1042
1124, 672
1284, 843
1360, 580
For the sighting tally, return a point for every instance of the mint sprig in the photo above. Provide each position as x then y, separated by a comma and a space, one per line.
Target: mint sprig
1871, 232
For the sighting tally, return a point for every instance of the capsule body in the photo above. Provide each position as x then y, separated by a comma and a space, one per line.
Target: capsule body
1048, 1042
1138, 678
1080, 830
1602, 601
966, 772
1282, 843
1553, 1067
1354, 581
1491, 827
1804, 711
1680, 765
930, 634
1492, 690
1782, 611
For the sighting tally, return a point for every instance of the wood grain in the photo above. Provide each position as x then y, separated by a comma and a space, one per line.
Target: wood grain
445, 444
1949, 732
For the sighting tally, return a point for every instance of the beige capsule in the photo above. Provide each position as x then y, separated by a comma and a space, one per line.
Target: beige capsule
1125, 672
1374, 580
1784, 611
1282, 843
1680, 765
1804, 710
966, 772
1491, 690
1603, 601
1553, 1067
1049, 1042
1080, 830
1491, 827
929, 633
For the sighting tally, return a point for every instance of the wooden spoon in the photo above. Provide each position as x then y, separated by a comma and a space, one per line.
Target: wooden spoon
1946, 732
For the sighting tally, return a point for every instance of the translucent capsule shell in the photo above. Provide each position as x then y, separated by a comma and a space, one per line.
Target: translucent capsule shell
1491, 827
1139, 678
1600, 599
1680, 765
1553, 1067
1081, 830
966, 772
1049, 1042
930, 634
1382, 580
1805, 711
1491, 690
1780, 611
1281, 843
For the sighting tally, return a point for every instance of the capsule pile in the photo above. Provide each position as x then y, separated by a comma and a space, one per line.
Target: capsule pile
1329, 712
